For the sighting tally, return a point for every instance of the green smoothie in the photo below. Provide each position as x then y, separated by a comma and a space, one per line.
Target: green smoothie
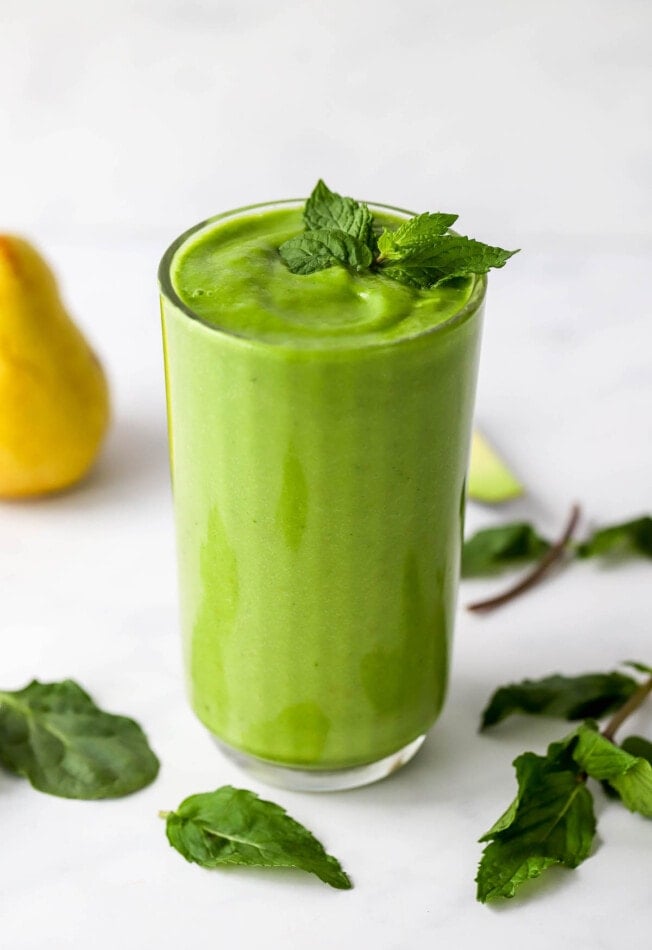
319, 432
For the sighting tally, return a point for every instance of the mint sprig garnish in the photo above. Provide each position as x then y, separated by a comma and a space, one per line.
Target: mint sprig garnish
551, 821
234, 826
421, 252
54, 735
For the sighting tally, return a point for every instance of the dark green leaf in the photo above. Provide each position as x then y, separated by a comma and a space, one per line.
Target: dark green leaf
234, 826
430, 263
420, 230
630, 539
591, 695
630, 775
550, 822
55, 736
326, 210
318, 250
494, 549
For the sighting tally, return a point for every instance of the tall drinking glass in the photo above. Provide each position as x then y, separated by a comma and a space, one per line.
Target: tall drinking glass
319, 490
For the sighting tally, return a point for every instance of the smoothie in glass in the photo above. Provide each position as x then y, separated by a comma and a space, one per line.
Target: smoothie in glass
319, 436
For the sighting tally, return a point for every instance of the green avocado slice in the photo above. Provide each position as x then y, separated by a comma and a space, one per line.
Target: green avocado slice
489, 478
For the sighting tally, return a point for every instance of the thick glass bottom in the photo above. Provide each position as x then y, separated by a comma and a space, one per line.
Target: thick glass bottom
321, 780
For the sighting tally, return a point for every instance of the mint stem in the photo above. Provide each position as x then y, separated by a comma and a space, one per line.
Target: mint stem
635, 700
164, 814
553, 555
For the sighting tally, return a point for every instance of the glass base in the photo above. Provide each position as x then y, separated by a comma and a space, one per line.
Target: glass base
321, 780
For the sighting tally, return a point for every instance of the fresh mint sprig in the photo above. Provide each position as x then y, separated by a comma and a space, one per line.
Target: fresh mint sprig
421, 252
551, 821
496, 549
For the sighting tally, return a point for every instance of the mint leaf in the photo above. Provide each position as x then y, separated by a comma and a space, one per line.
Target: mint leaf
318, 250
630, 775
234, 826
630, 539
494, 549
54, 735
417, 232
430, 263
550, 822
591, 695
327, 210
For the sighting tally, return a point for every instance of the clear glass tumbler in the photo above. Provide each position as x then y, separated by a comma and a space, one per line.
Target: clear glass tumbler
319, 496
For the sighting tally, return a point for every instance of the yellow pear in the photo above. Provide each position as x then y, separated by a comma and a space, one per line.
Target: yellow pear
54, 400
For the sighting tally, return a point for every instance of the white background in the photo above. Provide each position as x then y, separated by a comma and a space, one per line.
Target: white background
121, 124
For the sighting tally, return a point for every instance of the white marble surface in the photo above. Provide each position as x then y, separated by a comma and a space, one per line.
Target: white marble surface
122, 123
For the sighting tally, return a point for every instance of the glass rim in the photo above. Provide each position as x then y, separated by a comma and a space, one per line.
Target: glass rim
168, 291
